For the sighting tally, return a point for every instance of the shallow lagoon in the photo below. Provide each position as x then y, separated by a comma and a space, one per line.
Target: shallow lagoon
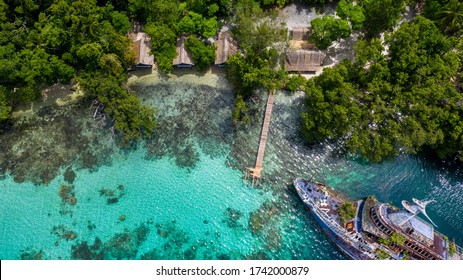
181, 195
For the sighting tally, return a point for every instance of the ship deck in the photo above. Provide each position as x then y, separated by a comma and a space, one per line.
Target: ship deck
372, 222
327, 201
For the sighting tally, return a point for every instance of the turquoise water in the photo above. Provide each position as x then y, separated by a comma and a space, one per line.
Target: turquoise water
182, 195
154, 192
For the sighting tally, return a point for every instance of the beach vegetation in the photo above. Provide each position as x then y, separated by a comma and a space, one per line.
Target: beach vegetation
384, 104
381, 15
261, 37
163, 48
240, 113
327, 29
202, 53
347, 9
296, 82
45, 42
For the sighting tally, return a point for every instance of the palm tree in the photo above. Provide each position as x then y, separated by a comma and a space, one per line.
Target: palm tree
451, 17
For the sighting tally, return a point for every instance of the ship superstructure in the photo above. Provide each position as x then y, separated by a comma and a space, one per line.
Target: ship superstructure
375, 230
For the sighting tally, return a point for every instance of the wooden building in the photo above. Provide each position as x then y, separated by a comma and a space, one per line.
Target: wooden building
225, 47
141, 47
184, 58
299, 33
304, 61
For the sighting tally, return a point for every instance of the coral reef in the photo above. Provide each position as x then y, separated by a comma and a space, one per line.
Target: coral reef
31, 254
188, 113
82, 251
38, 145
125, 245
62, 233
90, 225
113, 195
69, 175
121, 246
262, 217
178, 245
232, 218
67, 194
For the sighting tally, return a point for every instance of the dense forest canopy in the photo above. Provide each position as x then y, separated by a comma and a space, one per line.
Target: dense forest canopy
402, 92
402, 99
45, 42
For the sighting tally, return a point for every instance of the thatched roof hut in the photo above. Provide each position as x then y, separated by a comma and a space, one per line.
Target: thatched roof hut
183, 58
299, 33
141, 47
304, 60
225, 47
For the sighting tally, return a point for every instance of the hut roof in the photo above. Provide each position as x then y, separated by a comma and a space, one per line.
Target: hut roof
299, 33
183, 55
141, 47
225, 47
304, 60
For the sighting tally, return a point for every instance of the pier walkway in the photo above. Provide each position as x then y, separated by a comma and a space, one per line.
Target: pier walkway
256, 171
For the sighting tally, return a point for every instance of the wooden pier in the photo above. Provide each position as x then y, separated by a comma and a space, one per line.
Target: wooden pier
256, 171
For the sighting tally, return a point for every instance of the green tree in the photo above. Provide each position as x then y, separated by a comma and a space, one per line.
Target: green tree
209, 27
334, 108
194, 23
256, 31
261, 37
110, 64
451, 16
296, 82
90, 54
3, 11
368, 51
380, 105
240, 113
347, 10
156, 11
132, 120
5, 106
279, 3
163, 47
44, 42
381, 15
328, 29
120, 22
203, 55
187, 25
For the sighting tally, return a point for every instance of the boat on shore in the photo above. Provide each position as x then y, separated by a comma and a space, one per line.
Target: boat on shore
368, 229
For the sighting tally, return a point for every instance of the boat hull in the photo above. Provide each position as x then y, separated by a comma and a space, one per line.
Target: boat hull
344, 247
341, 243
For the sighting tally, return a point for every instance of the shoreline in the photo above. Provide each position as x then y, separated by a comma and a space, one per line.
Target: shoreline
213, 77
59, 95
57, 119
55, 95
